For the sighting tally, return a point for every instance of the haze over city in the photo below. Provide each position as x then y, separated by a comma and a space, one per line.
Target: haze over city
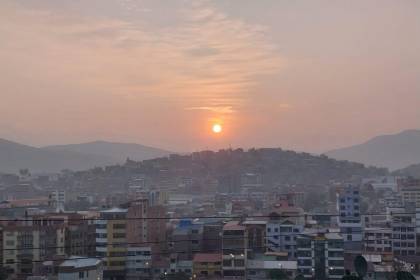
304, 75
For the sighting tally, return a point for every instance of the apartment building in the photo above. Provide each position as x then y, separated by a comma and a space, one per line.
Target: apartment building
320, 255
411, 194
111, 242
404, 241
122, 232
234, 248
281, 236
207, 265
377, 239
26, 246
138, 263
349, 220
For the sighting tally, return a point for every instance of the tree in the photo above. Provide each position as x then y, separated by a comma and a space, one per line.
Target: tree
278, 274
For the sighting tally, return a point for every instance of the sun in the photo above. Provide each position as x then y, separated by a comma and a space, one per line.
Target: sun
217, 128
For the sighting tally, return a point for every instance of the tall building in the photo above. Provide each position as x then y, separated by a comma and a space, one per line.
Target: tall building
411, 194
349, 220
127, 239
320, 256
256, 230
80, 235
138, 262
282, 236
21, 247
187, 239
111, 242
57, 200
404, 232
234, 248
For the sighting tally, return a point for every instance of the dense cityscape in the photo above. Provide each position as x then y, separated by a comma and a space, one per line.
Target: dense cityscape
209, 140
231, 214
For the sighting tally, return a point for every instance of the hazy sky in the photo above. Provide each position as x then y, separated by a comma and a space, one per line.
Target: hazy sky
309, 75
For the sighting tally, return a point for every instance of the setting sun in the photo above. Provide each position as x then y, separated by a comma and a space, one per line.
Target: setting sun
217, 128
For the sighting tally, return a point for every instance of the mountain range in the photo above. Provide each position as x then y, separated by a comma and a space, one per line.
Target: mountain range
395, 151
15, 156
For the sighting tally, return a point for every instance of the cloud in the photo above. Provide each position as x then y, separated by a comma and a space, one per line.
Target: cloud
205, 58
215, 109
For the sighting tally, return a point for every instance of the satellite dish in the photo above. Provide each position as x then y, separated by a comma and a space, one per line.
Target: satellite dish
360, 264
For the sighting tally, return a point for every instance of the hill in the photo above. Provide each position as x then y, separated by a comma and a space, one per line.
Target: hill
15, 156
394, 151
117, 151
276, 166
412, 170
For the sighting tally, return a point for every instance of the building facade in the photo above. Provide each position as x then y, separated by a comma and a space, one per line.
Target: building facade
320, 256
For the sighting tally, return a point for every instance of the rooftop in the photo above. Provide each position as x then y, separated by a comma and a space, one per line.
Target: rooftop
233, 225
115, 210
203, 257
79, 262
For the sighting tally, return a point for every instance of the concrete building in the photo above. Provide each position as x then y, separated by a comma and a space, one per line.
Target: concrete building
121, 231
377, 239
349, 220
187, 239
261, 267
76, 268
234, 248
111, 240
57, 200
138, 262
207, 265
21, 243
320, 255
411, 194
403, 225
282, 236
256, 232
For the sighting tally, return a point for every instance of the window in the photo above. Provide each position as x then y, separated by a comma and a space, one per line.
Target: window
118, 235
81, 275
118, 226
227, 262
239, 263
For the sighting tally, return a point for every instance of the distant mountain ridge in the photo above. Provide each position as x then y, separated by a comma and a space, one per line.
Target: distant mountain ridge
395, 151
115, 150
15, 156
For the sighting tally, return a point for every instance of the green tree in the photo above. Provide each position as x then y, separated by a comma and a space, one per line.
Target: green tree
278, 274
